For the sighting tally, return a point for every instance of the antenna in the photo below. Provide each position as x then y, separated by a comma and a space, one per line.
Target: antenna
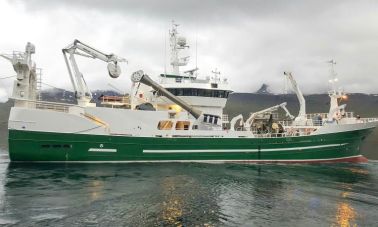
196, 51
216, 74
165, 54
333, 79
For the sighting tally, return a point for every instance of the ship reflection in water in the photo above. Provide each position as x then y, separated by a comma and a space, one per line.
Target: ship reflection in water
188, 195
345, 215
171, 210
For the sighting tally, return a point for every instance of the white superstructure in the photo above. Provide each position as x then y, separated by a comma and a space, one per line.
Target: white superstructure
208, 94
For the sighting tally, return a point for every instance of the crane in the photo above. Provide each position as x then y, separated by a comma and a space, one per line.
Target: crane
301, 118
249, 121
82, 92
252, 117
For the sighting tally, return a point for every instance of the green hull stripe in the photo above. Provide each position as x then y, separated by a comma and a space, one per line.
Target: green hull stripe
242, 150
101, 150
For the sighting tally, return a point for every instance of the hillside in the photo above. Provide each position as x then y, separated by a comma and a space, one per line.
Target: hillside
362, 104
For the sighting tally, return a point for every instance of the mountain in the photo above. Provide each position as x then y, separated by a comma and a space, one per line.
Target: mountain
263, 89
61, 95
363, 104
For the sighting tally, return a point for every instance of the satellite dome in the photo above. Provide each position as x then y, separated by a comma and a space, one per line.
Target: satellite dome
181, 41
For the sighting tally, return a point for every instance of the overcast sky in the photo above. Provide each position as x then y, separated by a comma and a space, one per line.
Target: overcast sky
249, 42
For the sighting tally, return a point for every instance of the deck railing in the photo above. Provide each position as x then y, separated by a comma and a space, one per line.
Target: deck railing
325, 115
43, 105
52, 106
370, 119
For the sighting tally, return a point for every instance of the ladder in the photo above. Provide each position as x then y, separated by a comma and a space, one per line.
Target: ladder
39, 83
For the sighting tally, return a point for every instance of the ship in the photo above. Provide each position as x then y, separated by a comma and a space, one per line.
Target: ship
176, 118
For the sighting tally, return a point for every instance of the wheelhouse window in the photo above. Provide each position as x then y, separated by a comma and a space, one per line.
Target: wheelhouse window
199, 92
182, 125
212, 119
165, 125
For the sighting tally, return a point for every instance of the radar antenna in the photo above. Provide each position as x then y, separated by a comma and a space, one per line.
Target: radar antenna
177, 43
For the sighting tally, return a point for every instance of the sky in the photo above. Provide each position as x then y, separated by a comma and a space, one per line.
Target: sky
249, 42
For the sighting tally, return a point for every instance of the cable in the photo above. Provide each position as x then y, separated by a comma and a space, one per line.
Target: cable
55, 87
7, 77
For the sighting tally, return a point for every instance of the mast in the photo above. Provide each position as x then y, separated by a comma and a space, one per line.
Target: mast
177, 43
25, 87
334, 94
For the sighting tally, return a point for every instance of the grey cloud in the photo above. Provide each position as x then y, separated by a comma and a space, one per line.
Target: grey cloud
249, 41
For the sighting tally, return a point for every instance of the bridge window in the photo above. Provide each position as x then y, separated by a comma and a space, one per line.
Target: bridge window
165, 125
199, 92
212, 119
182, 125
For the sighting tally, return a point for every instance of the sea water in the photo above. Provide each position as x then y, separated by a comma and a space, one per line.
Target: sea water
188, 194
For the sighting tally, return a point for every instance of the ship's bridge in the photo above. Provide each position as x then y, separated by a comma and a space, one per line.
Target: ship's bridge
208, 94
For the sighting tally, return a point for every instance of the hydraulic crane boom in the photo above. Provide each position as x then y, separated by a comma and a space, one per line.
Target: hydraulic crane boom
302, 102
252, 117
82, 92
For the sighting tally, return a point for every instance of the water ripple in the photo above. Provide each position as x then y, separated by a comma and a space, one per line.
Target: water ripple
189, 194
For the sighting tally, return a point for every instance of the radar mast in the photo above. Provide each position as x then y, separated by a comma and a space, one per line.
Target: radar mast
177, 43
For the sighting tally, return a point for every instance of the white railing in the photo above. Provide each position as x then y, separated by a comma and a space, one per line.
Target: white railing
367, 120
309, 122
283, 134
43, 105
52, 106
325, 115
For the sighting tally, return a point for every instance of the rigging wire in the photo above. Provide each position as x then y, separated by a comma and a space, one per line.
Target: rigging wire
55, 87
7, 77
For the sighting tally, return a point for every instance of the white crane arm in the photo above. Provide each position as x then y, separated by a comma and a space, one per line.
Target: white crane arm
82, 91
93, 53
288, 114
6, 56
234, 120
298, 92
252, 117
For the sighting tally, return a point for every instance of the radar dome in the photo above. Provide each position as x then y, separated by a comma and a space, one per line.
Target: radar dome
181, 41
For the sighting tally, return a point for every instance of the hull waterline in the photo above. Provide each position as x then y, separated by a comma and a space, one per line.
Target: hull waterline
31, 146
